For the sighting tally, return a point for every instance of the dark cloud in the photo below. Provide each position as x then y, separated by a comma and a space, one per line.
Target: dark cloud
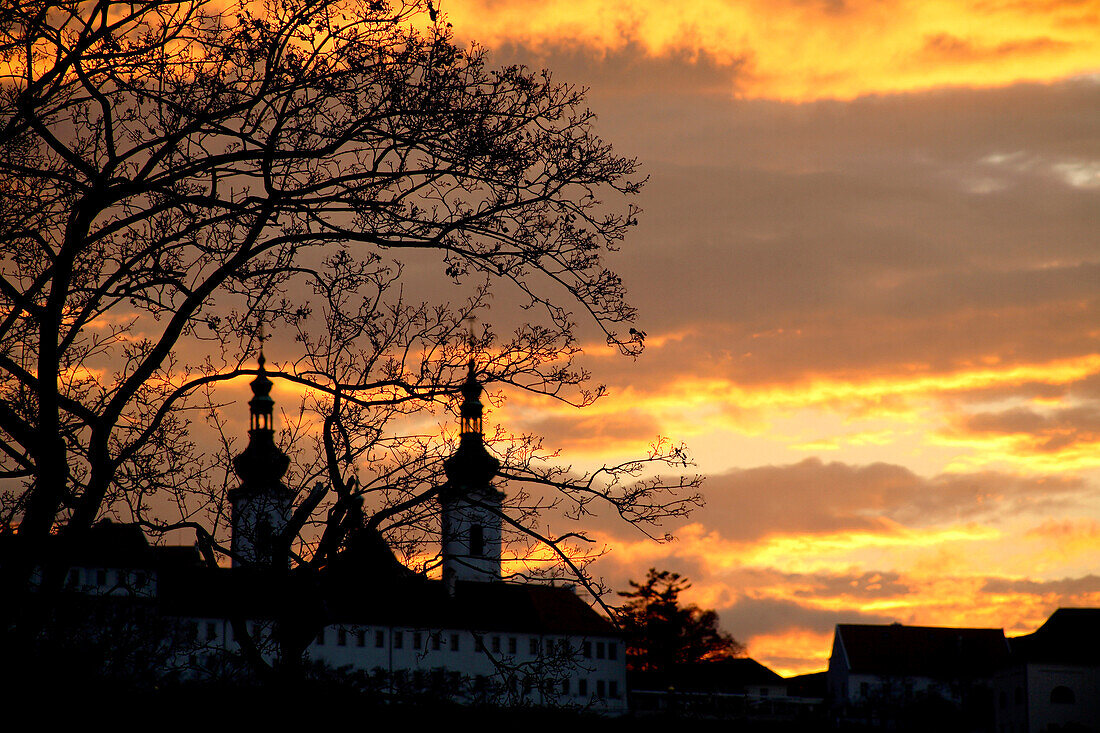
752, 616
627, 72
1050, 431
948, 47
583, 430
812, 496
1066, 587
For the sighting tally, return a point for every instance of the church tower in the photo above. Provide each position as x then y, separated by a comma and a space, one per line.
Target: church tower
471, 506
261, 505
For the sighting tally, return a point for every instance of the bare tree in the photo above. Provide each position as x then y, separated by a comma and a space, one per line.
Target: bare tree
174, 173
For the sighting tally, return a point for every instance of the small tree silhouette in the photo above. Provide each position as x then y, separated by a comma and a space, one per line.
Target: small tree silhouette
662, 632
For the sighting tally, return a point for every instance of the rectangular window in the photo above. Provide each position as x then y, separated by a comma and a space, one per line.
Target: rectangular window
511, 645
599, 650
534, 645
418, 641
379, 639
582, 687
479, 643
586, 650
613, 650
398, 640
496, 644
341, 637
454, 642
565, 687
360, 638
211, 631
613, 688
436, 641
599, 688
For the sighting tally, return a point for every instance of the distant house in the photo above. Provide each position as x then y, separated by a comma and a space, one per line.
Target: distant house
739, 688
889, 671
1052, 679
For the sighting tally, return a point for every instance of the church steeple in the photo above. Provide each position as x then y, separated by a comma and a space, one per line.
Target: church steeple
261, 505
471, 506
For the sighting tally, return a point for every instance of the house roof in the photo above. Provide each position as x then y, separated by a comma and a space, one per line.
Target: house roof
720, 675
364, 584
415, 602
925, 651
109, 544
1069, 636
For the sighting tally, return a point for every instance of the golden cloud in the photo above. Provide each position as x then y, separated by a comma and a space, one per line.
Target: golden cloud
802, 51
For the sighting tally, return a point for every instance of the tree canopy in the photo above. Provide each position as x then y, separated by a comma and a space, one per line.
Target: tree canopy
175, 174
662, 632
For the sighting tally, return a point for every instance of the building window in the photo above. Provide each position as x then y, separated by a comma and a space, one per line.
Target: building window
582, 687
534, 647
613, 650
398, 640
101, 577
613, 688
511, 645
341, 637
379, 639
477, 540
599, 650
565, 687
586, 650
1062, 695
436, 641
479, 643
211, 631
454, 642
496, 645
360, 638
599, 688
418, 640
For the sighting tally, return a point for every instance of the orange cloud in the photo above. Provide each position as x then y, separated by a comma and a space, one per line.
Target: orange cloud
801, 51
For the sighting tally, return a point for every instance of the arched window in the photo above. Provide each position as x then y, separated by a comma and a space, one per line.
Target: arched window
1062, 695
477, 540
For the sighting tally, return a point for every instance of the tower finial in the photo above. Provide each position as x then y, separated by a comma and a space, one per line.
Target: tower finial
471, 408
262, 337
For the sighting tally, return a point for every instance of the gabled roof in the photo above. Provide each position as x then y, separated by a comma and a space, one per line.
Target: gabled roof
924, 651
108, 544
1069, 636
413, 602
721, 675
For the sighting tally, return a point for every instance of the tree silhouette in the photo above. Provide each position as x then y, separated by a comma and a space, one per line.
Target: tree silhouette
662, 632
174, 173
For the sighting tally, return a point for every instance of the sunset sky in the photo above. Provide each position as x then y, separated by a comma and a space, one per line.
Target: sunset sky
869, 270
